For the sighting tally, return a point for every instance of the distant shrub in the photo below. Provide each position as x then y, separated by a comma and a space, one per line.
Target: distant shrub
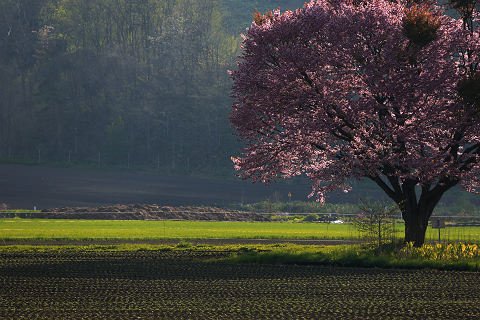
311, 218
184, 244
277, 217
299, 207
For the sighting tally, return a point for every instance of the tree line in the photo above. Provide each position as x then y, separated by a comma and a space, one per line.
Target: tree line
120, 83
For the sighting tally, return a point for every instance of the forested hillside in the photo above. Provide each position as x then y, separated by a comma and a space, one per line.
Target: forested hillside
121, 83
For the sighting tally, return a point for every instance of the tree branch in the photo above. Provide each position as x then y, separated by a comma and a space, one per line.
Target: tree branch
391, 193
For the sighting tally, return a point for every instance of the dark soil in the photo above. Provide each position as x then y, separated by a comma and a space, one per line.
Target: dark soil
144, 212
23, 186
183, 285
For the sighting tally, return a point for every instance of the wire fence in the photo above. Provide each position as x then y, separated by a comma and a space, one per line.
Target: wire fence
452, 228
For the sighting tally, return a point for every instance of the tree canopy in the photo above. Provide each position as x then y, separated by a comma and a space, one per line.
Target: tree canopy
384, 90
120, 82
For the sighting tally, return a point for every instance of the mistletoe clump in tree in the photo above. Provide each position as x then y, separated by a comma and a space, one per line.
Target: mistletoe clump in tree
384, 90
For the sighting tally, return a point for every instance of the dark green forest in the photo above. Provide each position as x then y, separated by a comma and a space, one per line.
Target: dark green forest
121, 83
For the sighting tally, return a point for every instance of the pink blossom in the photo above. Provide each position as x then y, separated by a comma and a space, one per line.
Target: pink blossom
336, 90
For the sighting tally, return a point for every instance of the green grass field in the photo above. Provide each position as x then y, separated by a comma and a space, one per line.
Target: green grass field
139, 229
49, 229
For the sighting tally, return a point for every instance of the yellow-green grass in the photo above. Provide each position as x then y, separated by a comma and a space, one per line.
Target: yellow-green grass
52, 229
140, 229
458, 233
180, 246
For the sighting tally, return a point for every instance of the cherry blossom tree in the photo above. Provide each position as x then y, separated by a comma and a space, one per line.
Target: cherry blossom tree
381, 90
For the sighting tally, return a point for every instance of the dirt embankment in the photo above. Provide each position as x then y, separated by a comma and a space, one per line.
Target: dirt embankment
146, 212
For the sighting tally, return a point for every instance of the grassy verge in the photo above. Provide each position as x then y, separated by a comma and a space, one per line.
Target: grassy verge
284, 254
352, 256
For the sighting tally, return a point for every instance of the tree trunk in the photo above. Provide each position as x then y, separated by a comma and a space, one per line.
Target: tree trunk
416, 211
416, 207
415, 231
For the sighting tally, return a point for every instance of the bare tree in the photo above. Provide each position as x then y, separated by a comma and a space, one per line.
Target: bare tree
376, 222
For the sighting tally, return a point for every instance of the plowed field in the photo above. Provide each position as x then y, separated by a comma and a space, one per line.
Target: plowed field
183, 285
